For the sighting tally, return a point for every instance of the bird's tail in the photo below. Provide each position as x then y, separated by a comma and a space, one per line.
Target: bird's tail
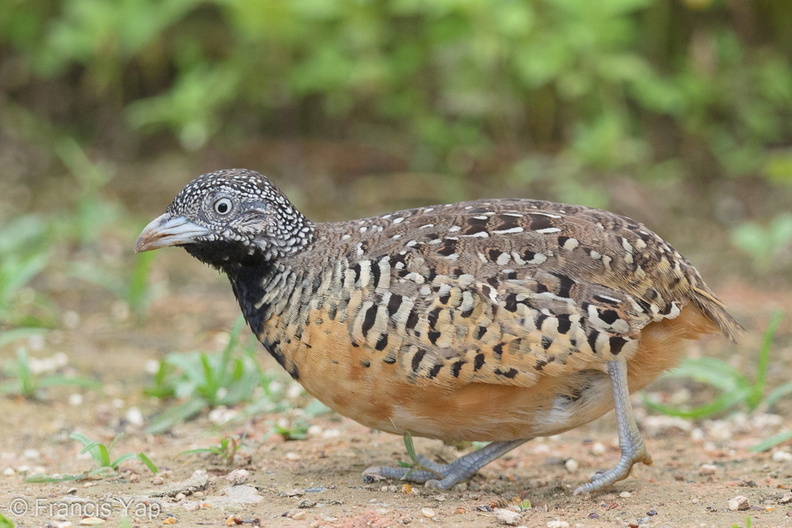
715, 310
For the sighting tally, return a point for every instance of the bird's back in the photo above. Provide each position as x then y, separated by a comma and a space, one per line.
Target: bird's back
486, 320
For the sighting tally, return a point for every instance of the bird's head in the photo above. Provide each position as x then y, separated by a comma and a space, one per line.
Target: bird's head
229, 218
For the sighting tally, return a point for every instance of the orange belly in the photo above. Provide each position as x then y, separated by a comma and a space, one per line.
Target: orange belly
356, 383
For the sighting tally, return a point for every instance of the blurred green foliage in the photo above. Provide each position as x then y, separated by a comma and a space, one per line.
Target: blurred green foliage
202, 381
704, 86
24, 253
769, 246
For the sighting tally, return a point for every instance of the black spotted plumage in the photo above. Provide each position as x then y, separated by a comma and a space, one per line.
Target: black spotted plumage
521, 315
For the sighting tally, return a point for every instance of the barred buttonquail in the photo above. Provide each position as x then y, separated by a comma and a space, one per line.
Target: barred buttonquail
493, 320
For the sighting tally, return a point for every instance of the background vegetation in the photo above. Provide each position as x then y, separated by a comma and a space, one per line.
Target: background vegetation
650, 89
677, 112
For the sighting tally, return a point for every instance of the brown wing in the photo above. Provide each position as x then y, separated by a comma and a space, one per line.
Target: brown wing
506, 291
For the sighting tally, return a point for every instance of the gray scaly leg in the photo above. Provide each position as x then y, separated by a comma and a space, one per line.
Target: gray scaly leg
631, 443
446, 476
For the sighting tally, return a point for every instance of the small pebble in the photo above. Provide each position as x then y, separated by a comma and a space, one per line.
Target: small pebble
221, 415
572, 465
292, 456
557, 524
782, 456
31, 454
541, 449
299, 515
238, 476
71, 319
786, 499
180, 496
507, 517
331, 433
157, 480
598, 449
315, 430
135, 417
76, 399
91, 521
429, 513
739, 503
625, 494
295, 390
9, 472
151, 366
315, 489
707, 469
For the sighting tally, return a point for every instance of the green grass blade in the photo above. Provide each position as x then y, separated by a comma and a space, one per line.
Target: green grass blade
5, 522
755, 398
201, 450
89, 448
123, 458
711, 371
10, 387
210, 385
46, 479
10, 336
771, 442
65, 381
234, 334
102, 471
137, 295
26, 380
19, 272
80, 437
720, 404
104, 456
408, 444
113, 443
148, 462
176, 415
778, 393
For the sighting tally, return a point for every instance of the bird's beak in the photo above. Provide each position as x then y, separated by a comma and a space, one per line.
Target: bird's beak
168, 230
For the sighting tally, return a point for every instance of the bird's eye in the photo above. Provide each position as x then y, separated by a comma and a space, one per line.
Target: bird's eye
222, 206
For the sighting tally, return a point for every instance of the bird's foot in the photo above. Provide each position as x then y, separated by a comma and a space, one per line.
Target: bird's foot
443, 476
621, 471
631, 442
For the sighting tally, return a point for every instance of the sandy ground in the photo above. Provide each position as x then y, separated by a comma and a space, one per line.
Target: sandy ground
698, 468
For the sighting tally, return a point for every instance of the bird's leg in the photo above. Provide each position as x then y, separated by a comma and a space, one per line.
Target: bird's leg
445, 476
420, 462
631, 443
